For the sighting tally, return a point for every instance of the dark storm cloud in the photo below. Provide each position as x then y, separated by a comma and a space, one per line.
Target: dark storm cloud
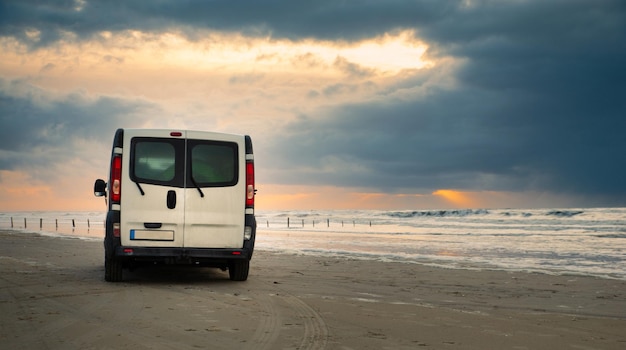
324, 19
472, 140
540, 105
38, 130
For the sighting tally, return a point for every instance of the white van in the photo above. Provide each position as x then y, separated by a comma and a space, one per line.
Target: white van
179, 197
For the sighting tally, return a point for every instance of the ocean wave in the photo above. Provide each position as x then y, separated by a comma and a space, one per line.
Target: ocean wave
564, 213
612, 235
512, 213
436, 213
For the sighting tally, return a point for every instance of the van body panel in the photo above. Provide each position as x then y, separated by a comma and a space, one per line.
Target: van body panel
215, 221
137, 209
214, 214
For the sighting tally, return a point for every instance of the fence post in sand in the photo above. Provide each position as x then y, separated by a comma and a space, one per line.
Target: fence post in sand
73, 224
24, 222
287, 222
40, 223
56, 223
11, 222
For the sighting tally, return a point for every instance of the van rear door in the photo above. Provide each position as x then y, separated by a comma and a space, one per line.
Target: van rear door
153, 201
215, 193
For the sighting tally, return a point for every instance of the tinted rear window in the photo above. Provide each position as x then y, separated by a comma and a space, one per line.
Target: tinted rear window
213, 163
157, 161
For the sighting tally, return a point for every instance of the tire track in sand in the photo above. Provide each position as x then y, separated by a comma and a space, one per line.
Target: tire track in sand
314, 333
315, 329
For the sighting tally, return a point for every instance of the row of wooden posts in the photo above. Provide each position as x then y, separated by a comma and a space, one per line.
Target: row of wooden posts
56, 223
289, 224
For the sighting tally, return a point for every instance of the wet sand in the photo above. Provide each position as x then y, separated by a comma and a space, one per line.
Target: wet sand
53, 296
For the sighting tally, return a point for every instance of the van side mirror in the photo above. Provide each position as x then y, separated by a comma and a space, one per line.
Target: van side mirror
100, 188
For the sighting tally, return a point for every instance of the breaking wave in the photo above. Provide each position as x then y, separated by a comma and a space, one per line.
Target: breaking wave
564, 213
437, 213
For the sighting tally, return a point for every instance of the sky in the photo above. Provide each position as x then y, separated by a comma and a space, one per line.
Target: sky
351, 104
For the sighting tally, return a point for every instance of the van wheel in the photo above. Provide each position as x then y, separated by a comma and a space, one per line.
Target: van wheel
238, 270
112, 270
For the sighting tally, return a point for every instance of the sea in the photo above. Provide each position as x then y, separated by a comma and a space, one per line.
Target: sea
572, 241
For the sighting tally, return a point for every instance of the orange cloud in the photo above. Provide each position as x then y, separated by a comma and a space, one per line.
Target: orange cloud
458, 198
291, 197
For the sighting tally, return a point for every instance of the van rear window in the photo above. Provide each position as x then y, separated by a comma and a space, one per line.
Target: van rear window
157, 161
213, 163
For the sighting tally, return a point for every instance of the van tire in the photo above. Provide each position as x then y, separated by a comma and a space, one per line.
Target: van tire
112, 270
238, 270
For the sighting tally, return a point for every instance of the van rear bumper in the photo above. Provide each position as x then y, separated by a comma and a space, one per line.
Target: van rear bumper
210, 256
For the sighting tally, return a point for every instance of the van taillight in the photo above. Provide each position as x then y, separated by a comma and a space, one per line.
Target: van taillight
249, 184
116, 179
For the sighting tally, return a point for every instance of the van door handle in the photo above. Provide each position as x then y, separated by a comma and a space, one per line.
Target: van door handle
171, 199
152, 224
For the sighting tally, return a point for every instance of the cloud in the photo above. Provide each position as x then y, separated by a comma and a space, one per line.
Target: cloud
536, 104
41, 24
394, 96
466, 139
39, 129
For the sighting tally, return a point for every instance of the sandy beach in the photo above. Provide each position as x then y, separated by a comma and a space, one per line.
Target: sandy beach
53, 296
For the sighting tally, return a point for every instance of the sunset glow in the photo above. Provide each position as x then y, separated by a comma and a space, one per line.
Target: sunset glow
457, 198
384, 55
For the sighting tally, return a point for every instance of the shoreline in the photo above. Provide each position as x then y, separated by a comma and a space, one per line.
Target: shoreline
54, 296
330, 254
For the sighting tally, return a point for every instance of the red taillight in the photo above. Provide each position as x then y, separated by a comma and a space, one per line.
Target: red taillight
176, 134
116, 179
249, 184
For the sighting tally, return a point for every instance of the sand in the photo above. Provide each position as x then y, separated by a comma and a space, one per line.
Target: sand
53, 296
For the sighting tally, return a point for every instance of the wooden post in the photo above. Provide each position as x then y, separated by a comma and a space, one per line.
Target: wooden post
40, 223
73, 224
327, 222
287, 222
313, 222
24, 222
88, 225
11, 222
56, 223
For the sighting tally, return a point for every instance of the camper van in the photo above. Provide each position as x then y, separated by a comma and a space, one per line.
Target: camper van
179, 197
